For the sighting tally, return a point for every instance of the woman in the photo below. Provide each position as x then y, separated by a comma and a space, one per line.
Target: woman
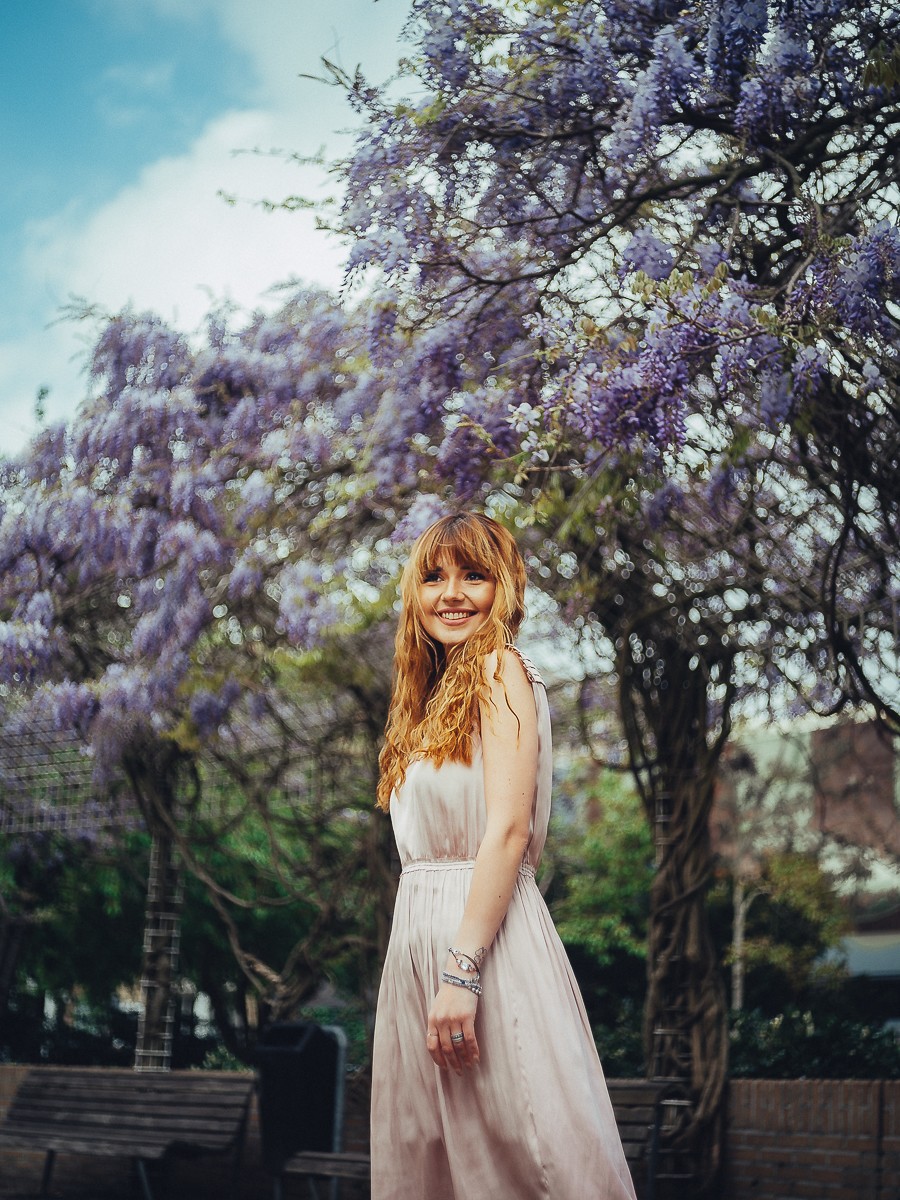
486, 1082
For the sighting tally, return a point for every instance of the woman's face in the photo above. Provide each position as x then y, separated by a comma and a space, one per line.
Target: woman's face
454, 601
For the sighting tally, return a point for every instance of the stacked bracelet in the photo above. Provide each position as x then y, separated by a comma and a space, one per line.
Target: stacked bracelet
470, 964
467, 962
471, 985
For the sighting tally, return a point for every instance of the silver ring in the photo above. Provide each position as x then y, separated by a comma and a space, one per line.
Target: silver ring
457, 1037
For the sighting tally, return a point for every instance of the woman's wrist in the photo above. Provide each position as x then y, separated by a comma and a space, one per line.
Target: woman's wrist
463, 970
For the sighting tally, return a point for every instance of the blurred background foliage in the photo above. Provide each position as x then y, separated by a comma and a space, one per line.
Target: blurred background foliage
74, 1000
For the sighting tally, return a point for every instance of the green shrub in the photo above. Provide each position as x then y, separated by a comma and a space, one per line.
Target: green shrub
798, 1045
221, 1059
621, 1044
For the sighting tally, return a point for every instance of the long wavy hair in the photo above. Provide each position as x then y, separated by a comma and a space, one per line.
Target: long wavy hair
434, 709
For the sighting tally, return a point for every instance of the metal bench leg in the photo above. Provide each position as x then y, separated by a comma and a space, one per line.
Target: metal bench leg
333, 1186
48, 1171
236, 1167
653, 1158
141, 1168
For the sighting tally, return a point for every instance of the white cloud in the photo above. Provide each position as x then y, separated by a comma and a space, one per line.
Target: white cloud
167, 241
51, 357
286, 38
138, 78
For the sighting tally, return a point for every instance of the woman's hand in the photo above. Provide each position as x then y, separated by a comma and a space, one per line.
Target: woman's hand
453, 1013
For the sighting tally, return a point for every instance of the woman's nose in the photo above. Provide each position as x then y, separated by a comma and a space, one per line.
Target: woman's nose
451, 588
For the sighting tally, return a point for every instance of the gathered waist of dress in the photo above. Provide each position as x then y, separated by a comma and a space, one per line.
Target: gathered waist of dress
454, 864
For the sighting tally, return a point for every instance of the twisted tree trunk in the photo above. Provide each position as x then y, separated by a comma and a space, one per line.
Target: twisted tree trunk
675, 739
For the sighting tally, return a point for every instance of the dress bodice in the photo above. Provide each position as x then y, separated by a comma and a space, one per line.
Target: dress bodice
439, 813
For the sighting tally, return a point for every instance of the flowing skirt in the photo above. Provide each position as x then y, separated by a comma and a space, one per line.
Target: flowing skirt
533, 1120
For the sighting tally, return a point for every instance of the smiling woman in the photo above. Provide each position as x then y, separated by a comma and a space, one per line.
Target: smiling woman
455, 601
465, 1102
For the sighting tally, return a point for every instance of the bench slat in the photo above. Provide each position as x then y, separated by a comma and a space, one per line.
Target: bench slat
143, 1138
73, 1145
147, 1117
339, 1166
162, 1127
124, 1090
189, 1091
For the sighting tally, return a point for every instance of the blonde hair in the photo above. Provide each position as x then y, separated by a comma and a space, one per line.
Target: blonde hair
434, 709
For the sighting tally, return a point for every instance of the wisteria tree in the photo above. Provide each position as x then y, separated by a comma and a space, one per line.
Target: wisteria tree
161, 572
638, 266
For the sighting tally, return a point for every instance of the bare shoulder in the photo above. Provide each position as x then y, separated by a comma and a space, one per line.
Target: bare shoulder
531, 670
511, 691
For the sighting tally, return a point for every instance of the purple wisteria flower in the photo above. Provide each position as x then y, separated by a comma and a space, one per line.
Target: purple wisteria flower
648, 253
209, 710
424, 511
307, 612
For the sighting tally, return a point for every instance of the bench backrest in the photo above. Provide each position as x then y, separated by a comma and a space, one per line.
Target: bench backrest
150, 1110
637, 1105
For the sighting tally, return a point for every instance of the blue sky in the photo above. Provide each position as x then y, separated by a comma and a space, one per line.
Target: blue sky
120, 122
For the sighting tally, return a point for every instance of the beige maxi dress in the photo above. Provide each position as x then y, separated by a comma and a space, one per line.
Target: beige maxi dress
533, 1120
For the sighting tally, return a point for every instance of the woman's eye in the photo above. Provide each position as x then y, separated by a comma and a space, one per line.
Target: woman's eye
476, 576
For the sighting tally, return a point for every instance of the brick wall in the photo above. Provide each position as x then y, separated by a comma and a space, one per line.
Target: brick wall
826, 1139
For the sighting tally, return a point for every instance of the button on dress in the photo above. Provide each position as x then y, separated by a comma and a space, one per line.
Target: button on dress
533, 1121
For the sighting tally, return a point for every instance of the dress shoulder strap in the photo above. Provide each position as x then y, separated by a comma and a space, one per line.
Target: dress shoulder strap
530, 669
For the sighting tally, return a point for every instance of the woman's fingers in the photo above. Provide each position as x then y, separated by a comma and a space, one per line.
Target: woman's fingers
448, 1048
450, 1035
433, 1042
471, 1044
453, 1046
465, 1044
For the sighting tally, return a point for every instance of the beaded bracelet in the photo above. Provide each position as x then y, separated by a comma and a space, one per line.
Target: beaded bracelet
471, 985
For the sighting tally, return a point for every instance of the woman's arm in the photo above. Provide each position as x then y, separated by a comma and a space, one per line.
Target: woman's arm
509, 743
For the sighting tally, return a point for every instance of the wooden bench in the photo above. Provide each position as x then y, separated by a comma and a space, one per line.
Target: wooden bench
642, 1107
144, 1116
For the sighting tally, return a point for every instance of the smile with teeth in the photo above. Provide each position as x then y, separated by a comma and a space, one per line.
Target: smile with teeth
455, 616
